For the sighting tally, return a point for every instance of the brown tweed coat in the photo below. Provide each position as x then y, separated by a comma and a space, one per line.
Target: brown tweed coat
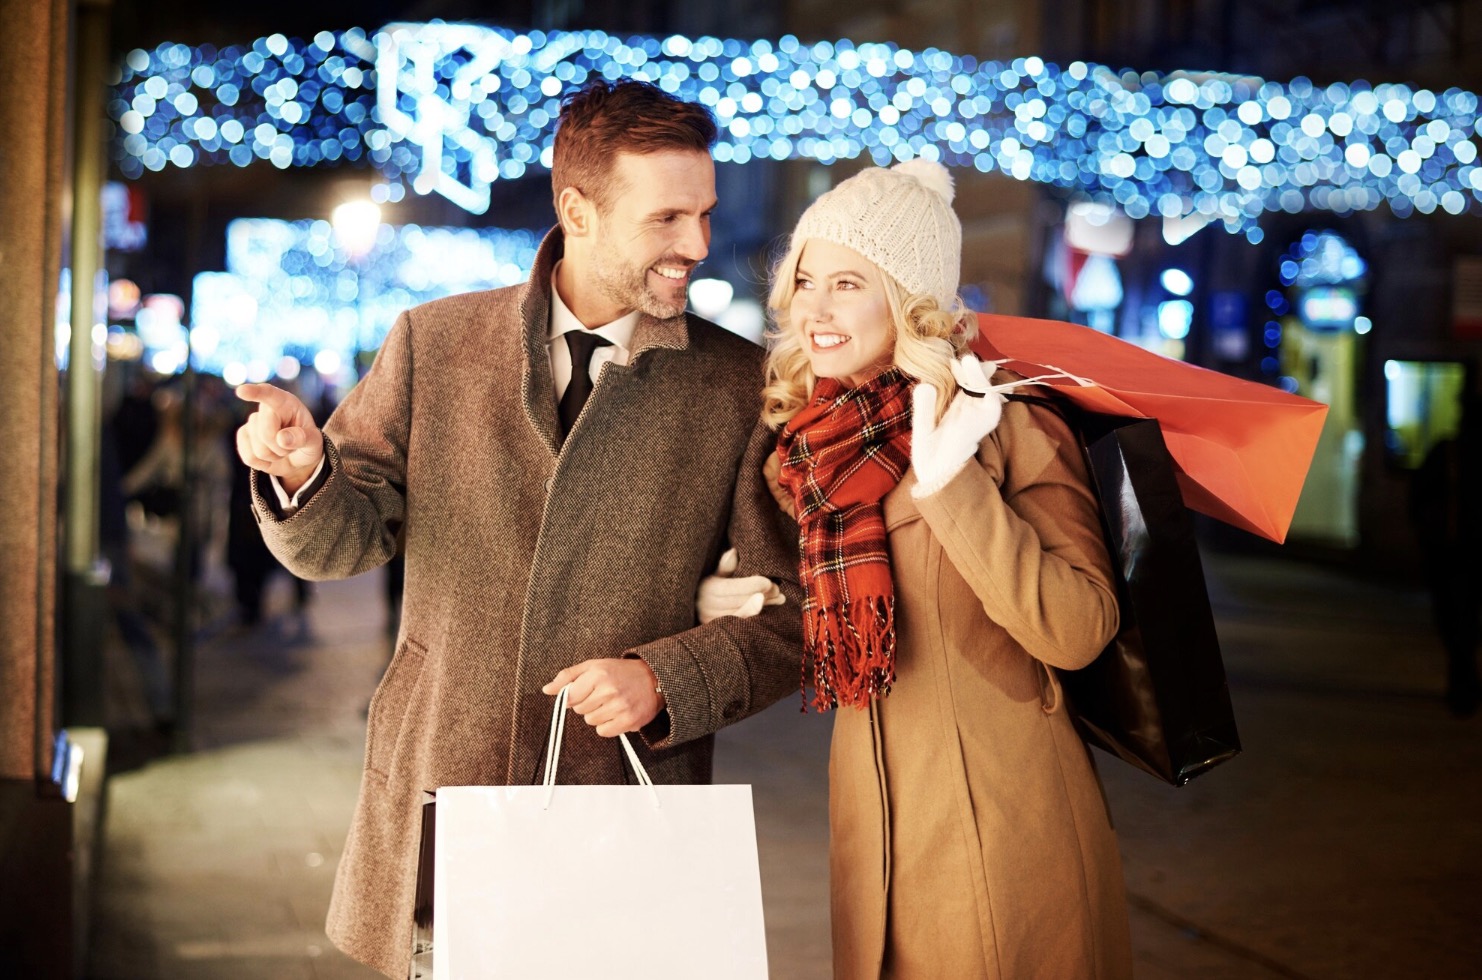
969, 837
525, 555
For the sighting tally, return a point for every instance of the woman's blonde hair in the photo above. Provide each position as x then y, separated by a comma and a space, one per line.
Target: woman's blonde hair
926, 338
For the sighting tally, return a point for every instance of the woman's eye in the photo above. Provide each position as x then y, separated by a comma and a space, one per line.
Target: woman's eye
802, 284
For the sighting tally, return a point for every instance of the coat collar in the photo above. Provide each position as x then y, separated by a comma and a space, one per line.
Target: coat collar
537, 387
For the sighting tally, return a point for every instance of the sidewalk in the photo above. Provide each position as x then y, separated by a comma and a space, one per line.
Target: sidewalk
1344, 842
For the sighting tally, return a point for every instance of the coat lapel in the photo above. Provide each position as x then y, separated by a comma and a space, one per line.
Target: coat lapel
537, 387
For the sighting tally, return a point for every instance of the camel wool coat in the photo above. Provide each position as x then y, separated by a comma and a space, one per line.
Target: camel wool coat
969, 834
526, 554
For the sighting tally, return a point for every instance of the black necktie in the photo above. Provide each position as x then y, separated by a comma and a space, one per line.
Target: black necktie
581, 343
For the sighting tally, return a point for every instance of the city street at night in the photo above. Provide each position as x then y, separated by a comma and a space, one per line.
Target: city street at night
377, 371
1343, 842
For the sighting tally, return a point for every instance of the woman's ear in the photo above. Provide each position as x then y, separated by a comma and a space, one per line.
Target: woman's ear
576, 213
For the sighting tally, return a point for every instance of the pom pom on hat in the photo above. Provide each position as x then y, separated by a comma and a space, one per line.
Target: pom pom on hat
900, 219
930, 174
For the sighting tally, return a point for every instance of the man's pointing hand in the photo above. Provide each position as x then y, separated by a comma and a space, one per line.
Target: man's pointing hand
280, 437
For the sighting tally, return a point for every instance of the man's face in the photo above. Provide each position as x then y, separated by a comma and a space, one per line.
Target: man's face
654, 230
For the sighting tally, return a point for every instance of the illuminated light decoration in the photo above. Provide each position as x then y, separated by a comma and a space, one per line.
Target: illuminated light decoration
124, 299
710, 297
1328, 308
1098, 229
124, 346
1322, 258
1098, 286
292, 289
449, 109
1176, 282
1327, 277
1175, 316
1179, 228
356, 224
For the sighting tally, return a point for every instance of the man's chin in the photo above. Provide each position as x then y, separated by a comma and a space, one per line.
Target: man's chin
664, 309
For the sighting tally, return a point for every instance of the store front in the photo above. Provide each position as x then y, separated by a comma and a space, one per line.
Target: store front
1316, 338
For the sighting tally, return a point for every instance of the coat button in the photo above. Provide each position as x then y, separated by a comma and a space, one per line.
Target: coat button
550, 483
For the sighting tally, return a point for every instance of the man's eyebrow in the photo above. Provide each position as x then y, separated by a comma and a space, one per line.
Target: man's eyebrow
676, 212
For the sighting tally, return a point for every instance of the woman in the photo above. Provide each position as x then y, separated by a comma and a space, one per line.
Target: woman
952, 555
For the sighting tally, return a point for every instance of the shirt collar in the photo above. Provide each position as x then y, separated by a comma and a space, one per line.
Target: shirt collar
619, 331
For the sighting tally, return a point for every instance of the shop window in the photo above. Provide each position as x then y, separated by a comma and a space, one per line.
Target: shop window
1422, 407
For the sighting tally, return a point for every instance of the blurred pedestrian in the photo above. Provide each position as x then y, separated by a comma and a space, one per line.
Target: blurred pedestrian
251, 563
133, 626
135, 420
1446, 509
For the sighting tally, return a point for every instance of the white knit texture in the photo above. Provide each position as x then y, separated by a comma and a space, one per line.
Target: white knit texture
900, 219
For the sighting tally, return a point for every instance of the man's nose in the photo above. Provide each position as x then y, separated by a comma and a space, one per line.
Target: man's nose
694, 242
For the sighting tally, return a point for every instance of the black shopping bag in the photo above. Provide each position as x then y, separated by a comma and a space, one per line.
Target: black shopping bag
1157, 696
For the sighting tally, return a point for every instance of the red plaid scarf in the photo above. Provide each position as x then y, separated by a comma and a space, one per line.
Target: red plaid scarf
840, 456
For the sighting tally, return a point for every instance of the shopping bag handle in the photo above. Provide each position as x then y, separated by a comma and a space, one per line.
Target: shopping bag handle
553, 752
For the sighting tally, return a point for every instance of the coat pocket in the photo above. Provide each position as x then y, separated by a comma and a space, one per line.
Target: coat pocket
390, 704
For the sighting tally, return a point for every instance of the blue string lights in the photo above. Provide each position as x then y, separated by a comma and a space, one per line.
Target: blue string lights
291, 289
449, 108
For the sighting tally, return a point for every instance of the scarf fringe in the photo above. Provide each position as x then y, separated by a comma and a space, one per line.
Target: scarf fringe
852, 647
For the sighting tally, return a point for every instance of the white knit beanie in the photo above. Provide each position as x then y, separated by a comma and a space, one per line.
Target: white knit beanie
901, 219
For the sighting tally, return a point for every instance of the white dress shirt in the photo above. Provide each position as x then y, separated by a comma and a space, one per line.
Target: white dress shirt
619, 334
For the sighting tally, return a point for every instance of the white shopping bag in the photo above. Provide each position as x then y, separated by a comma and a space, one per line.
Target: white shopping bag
644, 882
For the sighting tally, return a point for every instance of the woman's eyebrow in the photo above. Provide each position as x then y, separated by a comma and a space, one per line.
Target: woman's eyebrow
839, 274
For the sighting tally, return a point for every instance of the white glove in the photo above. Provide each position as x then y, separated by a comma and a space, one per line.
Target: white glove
721, 595
939, 451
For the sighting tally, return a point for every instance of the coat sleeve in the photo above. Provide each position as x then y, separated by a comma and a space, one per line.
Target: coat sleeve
350, 523
1021, 525
730, 668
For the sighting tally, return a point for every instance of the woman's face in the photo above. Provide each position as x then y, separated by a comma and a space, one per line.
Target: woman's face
839, 306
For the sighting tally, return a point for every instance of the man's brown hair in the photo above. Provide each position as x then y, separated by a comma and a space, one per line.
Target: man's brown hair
605, 118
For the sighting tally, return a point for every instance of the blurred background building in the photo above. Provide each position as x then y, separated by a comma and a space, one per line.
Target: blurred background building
1281, 190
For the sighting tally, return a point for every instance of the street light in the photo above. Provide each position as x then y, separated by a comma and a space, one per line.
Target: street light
356, 224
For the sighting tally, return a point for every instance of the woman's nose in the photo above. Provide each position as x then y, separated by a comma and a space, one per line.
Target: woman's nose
815, 304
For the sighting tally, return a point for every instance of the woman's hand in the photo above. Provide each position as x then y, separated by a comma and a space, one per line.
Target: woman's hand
721, 595
939, 450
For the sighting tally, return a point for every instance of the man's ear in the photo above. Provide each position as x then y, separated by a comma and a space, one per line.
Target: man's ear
576, 212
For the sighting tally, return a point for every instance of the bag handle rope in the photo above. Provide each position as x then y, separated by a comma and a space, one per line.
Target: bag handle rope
553, 752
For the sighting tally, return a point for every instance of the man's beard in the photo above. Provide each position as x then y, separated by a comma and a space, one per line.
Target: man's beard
627, 286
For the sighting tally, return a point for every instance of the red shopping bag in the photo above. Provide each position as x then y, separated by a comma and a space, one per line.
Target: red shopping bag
1241, 450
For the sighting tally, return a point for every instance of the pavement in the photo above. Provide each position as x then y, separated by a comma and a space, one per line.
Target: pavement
1342, 843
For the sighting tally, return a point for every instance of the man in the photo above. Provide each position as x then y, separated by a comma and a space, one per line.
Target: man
547, 542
